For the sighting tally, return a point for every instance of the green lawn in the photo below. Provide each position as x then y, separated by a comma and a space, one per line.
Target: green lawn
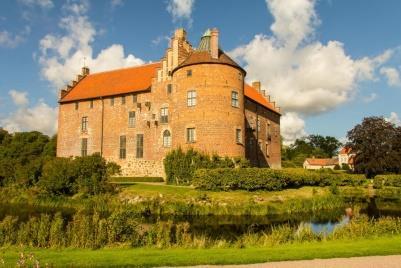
182, 193
116, 257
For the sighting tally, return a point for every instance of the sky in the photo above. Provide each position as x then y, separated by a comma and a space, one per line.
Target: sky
327, 63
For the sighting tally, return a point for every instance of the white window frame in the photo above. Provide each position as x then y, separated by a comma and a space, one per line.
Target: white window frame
191, 135
166, 138
191, 98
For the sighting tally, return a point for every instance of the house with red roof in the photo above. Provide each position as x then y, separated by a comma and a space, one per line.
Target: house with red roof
194, 97
319, 163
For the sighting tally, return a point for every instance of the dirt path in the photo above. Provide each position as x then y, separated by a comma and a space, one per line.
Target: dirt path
393, 261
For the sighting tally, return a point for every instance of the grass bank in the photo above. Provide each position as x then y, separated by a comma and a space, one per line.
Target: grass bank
147, 257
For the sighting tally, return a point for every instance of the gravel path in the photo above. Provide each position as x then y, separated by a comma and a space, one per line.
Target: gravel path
393, 261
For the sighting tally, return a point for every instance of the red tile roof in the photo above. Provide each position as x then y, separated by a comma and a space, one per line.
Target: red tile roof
133, 79
114, 82
345, 150
322, 161
254, 95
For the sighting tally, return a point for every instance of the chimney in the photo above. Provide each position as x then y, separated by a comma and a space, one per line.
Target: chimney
85, 71
180, 33
256, 85
214, 43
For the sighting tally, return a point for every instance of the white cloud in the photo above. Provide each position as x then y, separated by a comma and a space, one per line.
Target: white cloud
40, 117
292, 127
10, 40
116, 3
45, 4
394, 118
19, 97
304, 76
392, 75
62, 56
294, 20
158, 40
181, 10
370, 98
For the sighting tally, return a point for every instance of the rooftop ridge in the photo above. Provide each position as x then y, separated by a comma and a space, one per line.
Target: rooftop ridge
125, 68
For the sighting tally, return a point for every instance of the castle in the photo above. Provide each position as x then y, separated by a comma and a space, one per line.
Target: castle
192, 98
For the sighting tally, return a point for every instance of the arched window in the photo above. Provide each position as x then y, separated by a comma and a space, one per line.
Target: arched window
166, 138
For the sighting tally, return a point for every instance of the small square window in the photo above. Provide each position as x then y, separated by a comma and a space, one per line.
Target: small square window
169, 88
123, 100
91, 104
112, 101
76, 105
189, 73
134, 98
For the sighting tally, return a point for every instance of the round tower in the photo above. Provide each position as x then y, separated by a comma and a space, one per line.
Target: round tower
208, 101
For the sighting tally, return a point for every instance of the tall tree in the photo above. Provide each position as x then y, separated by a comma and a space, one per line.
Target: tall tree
373, 143
329, 145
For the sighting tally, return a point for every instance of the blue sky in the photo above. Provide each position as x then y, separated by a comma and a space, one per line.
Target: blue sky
327, 63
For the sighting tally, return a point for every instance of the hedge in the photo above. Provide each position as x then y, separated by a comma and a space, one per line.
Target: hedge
252, 179
387, 180
181, 165
135, 179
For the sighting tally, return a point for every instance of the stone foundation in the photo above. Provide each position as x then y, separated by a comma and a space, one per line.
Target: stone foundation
133, 167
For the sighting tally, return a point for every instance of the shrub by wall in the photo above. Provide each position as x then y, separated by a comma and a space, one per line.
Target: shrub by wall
87, 175
252, 179
180, 165
387, 180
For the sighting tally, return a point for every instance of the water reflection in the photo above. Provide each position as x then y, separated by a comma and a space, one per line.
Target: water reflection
229, 226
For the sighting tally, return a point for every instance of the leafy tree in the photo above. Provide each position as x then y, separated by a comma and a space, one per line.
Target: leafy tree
92, 174
87, 175
21, 156
312, 145
59, 177
376, 144
328, 145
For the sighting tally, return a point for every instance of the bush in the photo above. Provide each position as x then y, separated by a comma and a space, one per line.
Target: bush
180, 166
87, 175
252, 179
387, 180
59, 177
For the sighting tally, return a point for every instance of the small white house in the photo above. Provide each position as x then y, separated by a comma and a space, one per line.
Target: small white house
318, 163
345, 156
